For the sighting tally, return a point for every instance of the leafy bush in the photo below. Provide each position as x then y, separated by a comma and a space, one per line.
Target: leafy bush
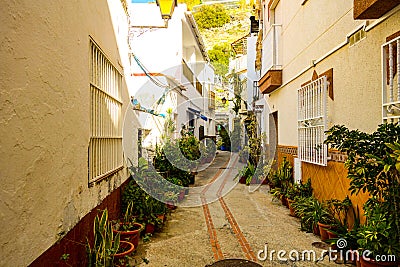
311, 211
211, 16
219, 57
373, 166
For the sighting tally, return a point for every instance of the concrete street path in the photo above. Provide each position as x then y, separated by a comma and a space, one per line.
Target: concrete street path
235, 224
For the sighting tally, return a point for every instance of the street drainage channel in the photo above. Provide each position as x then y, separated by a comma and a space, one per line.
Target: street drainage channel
234, 263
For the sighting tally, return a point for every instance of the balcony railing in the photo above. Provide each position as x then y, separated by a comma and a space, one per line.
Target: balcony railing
271, 52
391, 81
238, 64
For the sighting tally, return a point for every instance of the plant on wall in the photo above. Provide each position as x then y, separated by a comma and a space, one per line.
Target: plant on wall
254, 141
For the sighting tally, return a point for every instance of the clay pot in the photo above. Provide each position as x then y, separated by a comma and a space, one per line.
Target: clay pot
316, 230
126, 248
284, 201
323, 230
131, 236
331, 234
373, 263
150, 228
291, 210
171, 206
162, 217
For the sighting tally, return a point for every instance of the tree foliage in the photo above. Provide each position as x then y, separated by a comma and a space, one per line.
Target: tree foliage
211, 16
190, 3
219, 57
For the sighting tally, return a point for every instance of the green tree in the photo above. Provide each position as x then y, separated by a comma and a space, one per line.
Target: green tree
219, 57
211, 16
190, 3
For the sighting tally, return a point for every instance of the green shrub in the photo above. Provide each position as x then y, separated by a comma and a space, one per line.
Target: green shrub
211, 16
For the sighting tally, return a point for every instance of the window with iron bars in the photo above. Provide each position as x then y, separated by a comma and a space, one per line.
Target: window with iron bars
391, 81
312, 121
105, 145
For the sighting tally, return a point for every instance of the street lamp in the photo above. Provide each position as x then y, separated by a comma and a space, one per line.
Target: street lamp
236, 102
166, 8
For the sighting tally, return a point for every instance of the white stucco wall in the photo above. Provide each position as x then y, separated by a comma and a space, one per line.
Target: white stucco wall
44, 120
318, 31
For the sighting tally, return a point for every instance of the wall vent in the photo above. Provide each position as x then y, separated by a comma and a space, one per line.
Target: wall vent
357, 37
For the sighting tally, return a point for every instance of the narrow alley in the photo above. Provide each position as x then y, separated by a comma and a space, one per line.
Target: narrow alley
200, 133
235, 226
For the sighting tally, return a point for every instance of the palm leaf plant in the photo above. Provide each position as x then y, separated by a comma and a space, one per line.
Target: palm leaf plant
105, 244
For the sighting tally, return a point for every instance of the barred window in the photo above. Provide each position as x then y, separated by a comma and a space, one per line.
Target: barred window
311, 123
105, 146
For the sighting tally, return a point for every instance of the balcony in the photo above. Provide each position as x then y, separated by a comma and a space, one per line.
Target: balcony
239, 64
372, 9
270, 81
271, 61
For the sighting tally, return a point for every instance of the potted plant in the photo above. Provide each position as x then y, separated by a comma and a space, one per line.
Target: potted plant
312, 213
339, 210
128, 228
373, 164
282, 179
121, 257
106, 245
377, 234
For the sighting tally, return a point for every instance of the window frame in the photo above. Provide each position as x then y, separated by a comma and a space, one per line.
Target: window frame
105, 154
312, 101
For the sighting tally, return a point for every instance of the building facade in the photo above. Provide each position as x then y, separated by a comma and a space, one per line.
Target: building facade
324, 63
63, 97
177, 71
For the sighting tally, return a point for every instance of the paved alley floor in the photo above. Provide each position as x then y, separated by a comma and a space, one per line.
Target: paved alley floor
236, 224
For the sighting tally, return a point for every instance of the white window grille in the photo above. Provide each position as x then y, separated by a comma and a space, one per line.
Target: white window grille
105, 146
391, 81
311, 124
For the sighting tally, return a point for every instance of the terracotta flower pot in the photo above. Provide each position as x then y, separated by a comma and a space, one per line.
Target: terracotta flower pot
292, 211
284, 202
162, 217
130, 236
150, 228
323, 230
171, 205
125, 248
242, 180
316, 230
373, 263
331, 234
